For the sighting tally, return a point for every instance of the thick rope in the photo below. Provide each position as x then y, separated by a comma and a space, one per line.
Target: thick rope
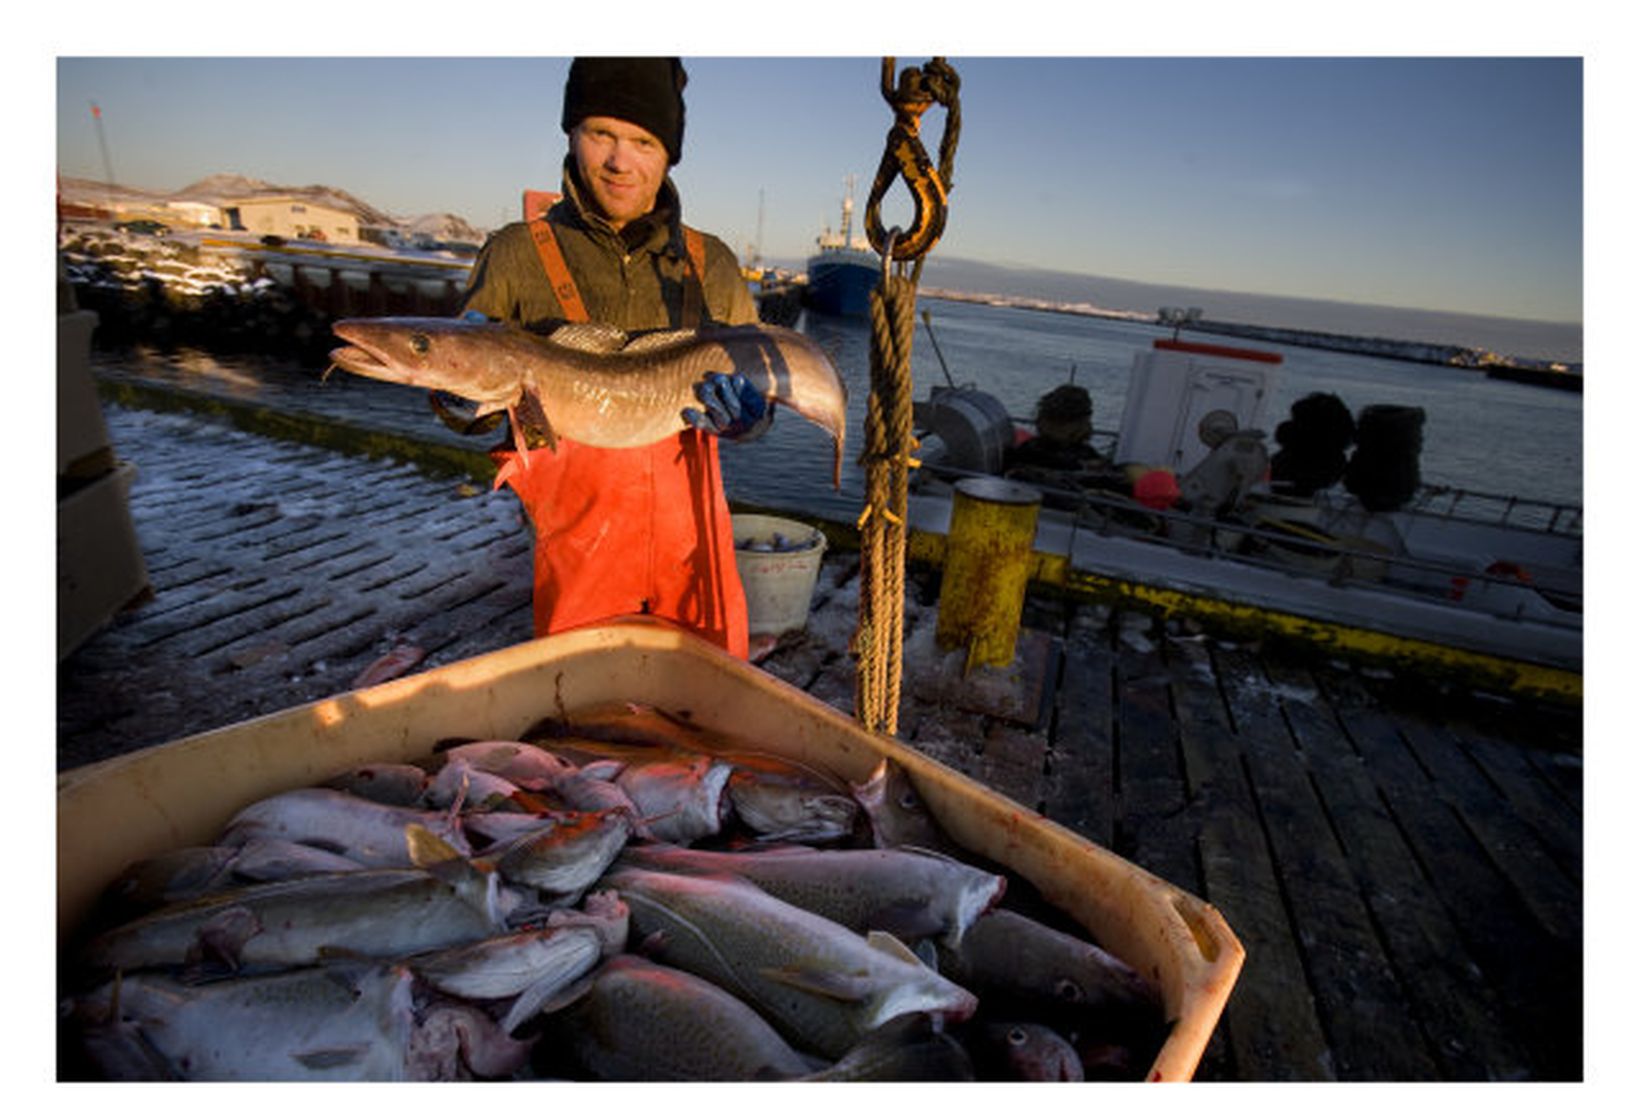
879, 640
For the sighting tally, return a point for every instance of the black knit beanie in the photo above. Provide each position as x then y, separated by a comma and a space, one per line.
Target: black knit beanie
646, 91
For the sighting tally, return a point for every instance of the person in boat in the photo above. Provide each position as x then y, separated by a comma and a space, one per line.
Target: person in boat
641, 530
1060, 456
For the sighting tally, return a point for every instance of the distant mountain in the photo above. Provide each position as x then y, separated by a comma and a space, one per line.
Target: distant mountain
226, 189
447, 226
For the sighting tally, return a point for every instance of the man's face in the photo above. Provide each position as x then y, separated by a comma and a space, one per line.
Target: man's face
622, 165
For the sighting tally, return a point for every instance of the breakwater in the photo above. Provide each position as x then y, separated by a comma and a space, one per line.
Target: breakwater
1448, 354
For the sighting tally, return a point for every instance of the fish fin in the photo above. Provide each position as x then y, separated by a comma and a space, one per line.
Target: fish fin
876, 782
223, 936
659, 339
532, 413
819, 981
427, 849
542, 997
508, 470
889, 945
602, 770
589, 337
517, 430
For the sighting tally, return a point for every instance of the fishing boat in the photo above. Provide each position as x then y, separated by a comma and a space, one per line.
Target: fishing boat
1187, 517
844, 270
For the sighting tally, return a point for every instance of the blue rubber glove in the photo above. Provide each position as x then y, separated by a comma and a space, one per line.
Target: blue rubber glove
735, 408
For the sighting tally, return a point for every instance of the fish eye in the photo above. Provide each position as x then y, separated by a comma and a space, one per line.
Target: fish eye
1018, 1037
419, 343
1067, 990
910, 801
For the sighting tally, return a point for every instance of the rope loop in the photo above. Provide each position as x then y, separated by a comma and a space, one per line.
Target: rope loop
904, 157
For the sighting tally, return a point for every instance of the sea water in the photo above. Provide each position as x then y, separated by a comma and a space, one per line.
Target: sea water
1479, 433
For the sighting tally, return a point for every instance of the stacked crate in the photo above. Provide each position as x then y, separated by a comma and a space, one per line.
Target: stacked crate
100, 568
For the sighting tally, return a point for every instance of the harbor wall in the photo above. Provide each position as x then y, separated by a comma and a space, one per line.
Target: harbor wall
244, 295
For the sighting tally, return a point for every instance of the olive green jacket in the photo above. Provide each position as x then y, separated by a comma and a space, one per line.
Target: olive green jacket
632, 280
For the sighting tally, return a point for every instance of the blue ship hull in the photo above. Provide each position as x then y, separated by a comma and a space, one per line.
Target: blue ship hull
841, 284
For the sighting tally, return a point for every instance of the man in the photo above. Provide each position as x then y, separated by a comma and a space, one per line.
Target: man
1059, 455
639, 530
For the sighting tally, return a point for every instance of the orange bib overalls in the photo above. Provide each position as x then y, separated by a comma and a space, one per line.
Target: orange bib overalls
623, 531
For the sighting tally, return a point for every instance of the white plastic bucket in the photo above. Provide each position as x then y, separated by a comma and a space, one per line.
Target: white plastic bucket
779, 583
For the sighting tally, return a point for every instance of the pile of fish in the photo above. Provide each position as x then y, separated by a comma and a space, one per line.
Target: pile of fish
618, 898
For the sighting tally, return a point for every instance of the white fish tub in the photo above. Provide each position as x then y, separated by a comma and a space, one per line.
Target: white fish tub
113, 813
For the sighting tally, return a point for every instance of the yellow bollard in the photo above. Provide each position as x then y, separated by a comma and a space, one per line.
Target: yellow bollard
987, 565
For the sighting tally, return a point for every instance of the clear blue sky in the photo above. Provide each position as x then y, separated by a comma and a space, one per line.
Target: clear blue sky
1441, 182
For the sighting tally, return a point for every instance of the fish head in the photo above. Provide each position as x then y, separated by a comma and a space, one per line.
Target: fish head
1030, 1052
464, 358
778, 807
896, 810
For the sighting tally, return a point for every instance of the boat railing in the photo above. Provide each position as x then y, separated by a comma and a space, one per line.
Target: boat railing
1503, 510
1292, 553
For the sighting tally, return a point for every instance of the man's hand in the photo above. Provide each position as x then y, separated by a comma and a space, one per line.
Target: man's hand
735, 408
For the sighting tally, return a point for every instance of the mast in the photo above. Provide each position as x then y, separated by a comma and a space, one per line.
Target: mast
848, 213
108, 165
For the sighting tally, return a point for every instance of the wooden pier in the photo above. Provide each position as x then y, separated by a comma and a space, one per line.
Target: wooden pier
1402, 863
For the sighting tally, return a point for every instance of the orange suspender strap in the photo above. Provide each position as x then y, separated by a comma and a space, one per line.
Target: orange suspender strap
694, 286
563, 285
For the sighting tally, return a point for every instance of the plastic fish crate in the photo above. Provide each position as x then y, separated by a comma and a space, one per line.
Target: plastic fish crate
113, 813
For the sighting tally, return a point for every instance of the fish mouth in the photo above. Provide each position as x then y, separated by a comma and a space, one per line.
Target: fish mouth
358, 357
351, 358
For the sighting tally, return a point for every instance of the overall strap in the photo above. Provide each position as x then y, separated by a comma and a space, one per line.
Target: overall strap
552, 259
694, 285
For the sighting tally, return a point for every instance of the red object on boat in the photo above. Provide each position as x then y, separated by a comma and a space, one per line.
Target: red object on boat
1157, 489
1235, 352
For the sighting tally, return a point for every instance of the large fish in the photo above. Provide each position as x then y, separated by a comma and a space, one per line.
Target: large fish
819, 983
911, 894
380, 913
355, 827
342, 1022
593, 383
